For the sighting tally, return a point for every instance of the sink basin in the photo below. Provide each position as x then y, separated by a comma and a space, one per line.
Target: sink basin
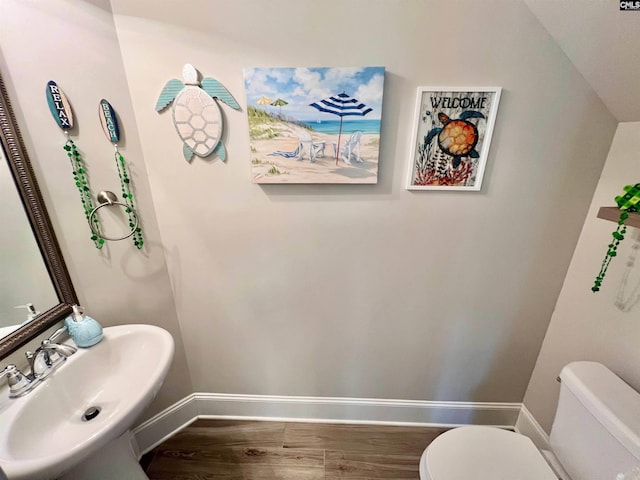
44, 434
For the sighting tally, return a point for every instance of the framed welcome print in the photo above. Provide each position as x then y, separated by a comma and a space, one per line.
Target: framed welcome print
451, 137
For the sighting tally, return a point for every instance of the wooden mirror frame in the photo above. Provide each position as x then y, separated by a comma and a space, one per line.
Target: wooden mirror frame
34, 206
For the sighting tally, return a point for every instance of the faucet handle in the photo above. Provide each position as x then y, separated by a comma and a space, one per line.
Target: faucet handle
18, 383
9, 370
60, 348
57, 334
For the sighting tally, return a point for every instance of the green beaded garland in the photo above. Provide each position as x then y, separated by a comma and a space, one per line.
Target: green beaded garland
83, 186
612, 250
127, 195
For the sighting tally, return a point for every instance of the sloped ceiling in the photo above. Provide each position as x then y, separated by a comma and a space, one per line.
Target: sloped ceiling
604, 45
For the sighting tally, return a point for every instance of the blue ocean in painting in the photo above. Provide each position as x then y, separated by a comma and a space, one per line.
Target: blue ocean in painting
350, 126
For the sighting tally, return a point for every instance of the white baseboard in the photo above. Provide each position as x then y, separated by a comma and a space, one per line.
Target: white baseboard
321, 409
527, 425
356, 410
158, 428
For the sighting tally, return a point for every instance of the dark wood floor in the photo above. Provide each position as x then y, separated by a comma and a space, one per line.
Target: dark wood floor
242, 450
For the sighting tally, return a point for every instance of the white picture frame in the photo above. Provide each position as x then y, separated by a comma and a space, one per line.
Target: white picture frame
451, 137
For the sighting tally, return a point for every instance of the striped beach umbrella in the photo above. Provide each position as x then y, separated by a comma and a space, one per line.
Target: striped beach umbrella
342, 105
279, 103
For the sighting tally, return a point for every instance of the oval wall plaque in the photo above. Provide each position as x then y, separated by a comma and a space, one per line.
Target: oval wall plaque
109, 121
59, 106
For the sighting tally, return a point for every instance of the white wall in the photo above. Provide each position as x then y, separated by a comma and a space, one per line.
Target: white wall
368, 291
74, 43
588, 326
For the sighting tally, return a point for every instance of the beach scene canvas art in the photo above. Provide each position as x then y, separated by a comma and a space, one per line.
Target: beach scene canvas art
314, 125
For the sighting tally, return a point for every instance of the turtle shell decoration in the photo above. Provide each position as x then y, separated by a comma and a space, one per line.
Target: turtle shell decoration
457, 137
196, 114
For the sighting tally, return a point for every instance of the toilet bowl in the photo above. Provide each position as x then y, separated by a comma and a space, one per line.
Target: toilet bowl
483, 453
595, 436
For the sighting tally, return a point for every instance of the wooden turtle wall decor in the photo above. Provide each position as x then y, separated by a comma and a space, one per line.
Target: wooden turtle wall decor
196, 114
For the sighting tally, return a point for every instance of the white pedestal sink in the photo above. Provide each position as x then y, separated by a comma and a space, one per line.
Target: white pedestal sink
43, 435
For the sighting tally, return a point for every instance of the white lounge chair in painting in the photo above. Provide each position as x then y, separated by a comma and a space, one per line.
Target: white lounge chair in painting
318, 148
309, 147
351, 149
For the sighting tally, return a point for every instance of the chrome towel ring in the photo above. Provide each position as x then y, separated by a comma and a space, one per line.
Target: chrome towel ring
108, 199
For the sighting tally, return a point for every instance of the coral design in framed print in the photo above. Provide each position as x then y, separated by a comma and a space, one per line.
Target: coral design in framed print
451, 137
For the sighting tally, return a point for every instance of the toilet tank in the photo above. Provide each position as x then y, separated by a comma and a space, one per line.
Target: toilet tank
596, 431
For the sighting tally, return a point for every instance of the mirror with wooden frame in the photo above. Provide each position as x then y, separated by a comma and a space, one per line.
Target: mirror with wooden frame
36, 214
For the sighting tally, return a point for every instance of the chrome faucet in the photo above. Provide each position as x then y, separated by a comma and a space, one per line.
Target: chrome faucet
44, 361
49, 356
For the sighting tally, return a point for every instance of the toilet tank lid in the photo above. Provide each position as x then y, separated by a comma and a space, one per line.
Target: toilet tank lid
608, 398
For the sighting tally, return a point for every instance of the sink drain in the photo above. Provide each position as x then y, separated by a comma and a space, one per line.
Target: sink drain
91, 413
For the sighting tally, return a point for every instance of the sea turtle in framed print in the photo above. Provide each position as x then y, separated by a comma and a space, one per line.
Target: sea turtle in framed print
457, 137
196, 114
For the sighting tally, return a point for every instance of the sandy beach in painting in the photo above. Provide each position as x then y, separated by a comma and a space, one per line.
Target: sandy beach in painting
285, 137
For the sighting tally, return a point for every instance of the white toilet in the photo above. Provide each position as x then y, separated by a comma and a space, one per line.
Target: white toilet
595, 436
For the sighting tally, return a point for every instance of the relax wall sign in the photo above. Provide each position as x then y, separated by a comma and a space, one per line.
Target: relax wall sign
59, 106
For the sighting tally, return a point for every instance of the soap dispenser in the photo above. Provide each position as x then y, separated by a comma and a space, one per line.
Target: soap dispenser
84, 330
31, 312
